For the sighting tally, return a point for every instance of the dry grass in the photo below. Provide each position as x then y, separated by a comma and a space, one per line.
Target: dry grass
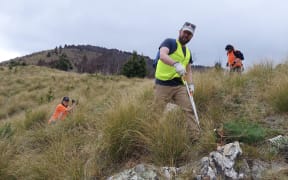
115, 124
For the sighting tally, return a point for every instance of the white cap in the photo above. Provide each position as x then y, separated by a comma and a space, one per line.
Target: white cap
188, 27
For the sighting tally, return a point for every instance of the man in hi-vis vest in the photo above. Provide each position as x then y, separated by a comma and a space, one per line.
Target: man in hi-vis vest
174, 64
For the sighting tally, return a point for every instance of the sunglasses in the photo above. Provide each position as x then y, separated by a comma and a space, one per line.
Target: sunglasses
189, 24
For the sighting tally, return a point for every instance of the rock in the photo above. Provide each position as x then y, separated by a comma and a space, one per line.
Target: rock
206, 170
139, 172
169, 172
218, 165
221, 162
258, 168
245, 169
232, 150
281, 143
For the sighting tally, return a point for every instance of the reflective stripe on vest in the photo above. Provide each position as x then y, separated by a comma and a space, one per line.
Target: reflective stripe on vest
166, 72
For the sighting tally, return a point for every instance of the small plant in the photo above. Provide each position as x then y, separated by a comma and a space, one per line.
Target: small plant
6, 131
50, 95
243, 131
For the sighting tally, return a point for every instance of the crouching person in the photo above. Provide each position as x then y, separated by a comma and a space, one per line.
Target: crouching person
62, 110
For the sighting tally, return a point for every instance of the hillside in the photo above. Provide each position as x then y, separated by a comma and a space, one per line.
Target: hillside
85, 59
114, 126
82, 59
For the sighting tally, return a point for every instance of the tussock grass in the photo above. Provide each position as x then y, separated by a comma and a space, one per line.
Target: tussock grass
261, 73
115, 124
280, 174
208, 140
134, 130
167, 140
277, 89
121, 131
6, 155
206, 88
35, 119
278, 98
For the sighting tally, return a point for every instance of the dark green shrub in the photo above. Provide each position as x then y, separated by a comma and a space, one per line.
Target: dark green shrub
63, 63
134, 67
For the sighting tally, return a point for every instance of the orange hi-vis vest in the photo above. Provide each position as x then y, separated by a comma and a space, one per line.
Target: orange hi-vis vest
233, 61
59, 113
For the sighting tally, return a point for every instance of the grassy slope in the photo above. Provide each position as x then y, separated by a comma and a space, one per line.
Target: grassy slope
114, 126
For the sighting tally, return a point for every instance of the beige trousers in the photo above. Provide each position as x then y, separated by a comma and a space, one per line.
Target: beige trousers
179, 96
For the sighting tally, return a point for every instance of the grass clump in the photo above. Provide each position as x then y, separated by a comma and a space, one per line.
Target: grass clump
133, 131
121, 130
167, 139
244, 131
7, 152
35, 119
115, 124
278, 98
6, 131
261, 73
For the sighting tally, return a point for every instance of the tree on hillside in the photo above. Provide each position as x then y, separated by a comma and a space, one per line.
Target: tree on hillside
63, 63
60, 49
48, 54
13, 63
135, 66
56, 50
82, 64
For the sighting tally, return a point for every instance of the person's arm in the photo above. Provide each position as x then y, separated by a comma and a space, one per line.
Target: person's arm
164, 56
70, 108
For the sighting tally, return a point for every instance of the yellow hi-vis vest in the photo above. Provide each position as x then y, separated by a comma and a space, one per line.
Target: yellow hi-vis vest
166, 72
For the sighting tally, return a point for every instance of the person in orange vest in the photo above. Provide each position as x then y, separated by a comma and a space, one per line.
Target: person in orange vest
62, 110
234, 59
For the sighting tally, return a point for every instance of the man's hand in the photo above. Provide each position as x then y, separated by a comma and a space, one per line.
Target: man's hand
191, 88
179, 68
227, 64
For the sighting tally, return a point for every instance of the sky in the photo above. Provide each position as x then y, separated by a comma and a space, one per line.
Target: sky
256, 27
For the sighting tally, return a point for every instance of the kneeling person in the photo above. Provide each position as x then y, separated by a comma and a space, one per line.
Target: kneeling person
62, 110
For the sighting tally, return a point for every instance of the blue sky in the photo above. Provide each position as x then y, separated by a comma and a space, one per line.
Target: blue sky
257, 27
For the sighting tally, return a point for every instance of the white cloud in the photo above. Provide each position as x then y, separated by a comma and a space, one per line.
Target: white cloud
8, 54
258, 27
